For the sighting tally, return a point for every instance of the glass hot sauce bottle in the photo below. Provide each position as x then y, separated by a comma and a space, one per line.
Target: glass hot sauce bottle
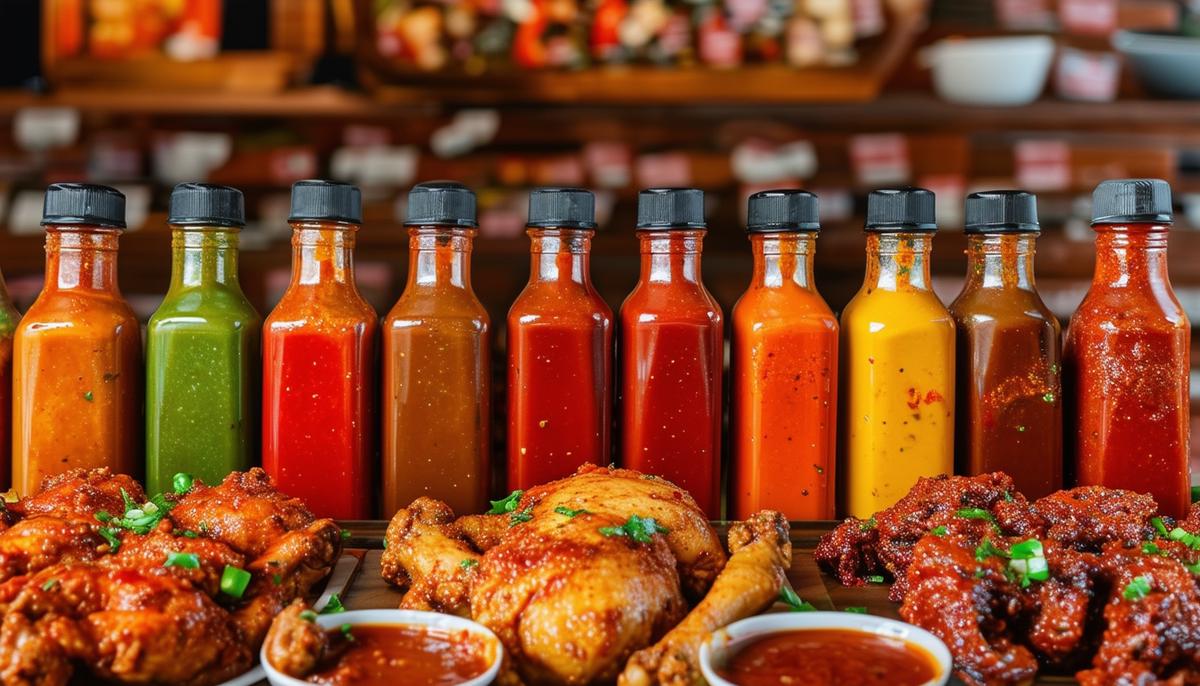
897, 358
77, 360
559, 347
784, 376
319, 362
436, 362
1127, 353
202, 347
672, 352
1009, 413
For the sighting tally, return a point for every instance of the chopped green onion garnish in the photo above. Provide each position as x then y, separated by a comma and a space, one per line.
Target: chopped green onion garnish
1151, 549
938, 530
1031, 569
793, 601
987, 549
110, 534
1159, 526
346, 632
869, 524
103, 517
308, 615
858, 610
1027, 549
506, 505
521, 517
637, 528
468, 563
183, 482
334, 606
277, 579
183, 560
50, 584
568, 512
234, 581
875, 579
974, 513
1137, 589
345, 534
1194, 568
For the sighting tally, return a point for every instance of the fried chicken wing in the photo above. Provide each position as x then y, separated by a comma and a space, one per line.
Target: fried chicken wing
1087, 517
244, 511
40, 542
153, 551
427, 553
761, 553
79, 494
125, 625
296, 645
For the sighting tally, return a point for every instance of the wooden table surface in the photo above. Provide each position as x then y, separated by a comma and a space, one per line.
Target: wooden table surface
367, 589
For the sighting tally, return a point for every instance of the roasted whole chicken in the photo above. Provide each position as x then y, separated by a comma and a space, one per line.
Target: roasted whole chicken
606, 576
1087, 581
97, 580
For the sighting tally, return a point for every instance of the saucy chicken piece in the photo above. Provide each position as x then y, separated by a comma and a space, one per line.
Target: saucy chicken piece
78, 494
152, 552
1087, 517
296, 645
967, 506
970, 604
1064, 630
40, 542
1153, 623
125, 625
426, 552
245, 512
761, 553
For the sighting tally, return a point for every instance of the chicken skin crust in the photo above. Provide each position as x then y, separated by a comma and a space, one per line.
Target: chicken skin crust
579, 575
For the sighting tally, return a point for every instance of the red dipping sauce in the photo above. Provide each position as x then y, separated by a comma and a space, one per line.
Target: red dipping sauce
559, 364
829, 657
389, 655
672, 355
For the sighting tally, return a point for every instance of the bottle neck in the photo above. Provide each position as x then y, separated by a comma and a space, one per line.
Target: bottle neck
783, 259
560, 255
202, 256
671, 256
1131, 256
81, 258
898, 261
322, 253
439, 257
1001, 261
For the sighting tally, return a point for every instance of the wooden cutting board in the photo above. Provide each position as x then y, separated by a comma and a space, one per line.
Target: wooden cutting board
368, 590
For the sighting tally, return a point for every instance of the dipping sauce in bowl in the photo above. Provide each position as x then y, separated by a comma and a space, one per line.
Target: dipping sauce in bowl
819, 657
824, 649
388, 654
379, 648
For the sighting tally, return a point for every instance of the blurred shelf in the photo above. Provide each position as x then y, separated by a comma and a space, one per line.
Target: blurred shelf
890, 112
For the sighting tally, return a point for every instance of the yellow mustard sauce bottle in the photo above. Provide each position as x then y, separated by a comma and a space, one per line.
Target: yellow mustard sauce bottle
898, 359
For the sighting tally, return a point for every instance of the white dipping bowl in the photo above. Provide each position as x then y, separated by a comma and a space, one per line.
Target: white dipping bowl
722, 644
1006, 71
428, 620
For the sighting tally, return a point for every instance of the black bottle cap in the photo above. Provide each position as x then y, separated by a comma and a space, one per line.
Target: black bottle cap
329, 201
206, 204
84, 204
783, 210
898, 210
439, 203
671, 208
565, 207
1132, 201
1002, 212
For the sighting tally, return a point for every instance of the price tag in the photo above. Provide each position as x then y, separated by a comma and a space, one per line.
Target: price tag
1024, 15
1043, 165
608, 163
1088, 17
1088, 76
880, 158
664, 170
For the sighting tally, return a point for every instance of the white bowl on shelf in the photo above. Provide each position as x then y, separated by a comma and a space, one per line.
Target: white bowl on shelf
427, 620
1006, 71
722, 644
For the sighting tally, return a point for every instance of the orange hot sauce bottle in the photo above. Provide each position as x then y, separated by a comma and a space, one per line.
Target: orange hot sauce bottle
784, 376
